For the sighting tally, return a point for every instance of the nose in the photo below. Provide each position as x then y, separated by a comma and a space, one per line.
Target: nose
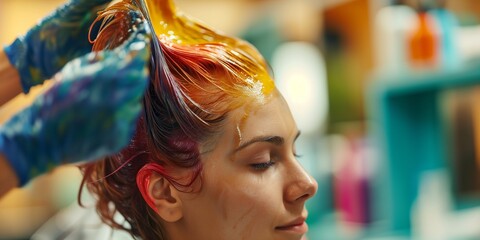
300, 186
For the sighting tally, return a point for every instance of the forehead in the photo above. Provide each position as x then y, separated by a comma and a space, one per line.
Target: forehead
272, 117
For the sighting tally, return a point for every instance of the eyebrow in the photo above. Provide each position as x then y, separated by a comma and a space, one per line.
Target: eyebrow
275, 140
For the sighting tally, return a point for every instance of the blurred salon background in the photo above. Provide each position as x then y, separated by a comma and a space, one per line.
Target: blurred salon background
384, 92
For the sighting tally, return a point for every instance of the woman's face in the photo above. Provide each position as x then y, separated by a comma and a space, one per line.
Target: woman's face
252, 184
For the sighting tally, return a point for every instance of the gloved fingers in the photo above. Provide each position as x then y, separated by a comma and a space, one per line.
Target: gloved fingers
124, 62
55, 40
127, 65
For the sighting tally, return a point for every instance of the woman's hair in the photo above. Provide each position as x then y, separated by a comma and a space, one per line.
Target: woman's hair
197, 76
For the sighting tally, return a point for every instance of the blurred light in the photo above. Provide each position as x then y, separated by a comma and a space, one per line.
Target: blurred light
300, 74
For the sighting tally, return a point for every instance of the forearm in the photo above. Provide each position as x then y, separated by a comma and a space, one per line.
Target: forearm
9, 88
9, 80
8, 179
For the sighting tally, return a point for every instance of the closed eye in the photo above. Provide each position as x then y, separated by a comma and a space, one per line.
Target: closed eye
262, 165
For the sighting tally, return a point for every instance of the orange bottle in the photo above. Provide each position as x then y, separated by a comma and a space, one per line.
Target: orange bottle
423, 43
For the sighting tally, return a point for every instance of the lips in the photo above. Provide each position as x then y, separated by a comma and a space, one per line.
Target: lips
298, 226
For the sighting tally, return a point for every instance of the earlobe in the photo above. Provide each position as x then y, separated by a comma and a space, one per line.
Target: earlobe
159, 193
165, 198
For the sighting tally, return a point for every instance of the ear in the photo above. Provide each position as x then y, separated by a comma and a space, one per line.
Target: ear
159, 193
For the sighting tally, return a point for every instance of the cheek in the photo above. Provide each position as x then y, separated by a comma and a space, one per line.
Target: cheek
246, 203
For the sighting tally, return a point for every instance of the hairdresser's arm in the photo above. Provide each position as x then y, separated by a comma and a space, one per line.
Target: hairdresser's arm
89, 112
8, 179
9, 80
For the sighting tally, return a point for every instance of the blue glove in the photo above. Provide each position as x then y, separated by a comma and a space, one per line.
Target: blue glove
90, 111
57, 39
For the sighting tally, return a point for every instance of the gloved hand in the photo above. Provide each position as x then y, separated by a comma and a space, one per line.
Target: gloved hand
89, 112
57, 39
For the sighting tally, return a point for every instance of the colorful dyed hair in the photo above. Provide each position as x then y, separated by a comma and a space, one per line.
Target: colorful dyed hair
197, 76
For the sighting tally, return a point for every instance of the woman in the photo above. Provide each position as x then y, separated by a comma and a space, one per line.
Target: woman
213, 155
